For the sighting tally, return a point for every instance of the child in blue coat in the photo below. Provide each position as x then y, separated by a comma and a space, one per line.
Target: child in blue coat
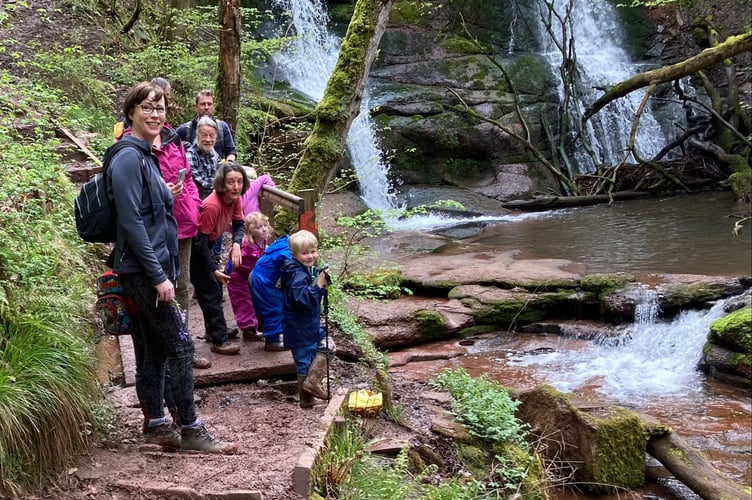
303, 287
267, 298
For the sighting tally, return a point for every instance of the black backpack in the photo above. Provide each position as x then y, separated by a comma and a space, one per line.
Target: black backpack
94, 207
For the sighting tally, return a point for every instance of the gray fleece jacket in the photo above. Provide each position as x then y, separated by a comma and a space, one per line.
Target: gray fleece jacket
147, 236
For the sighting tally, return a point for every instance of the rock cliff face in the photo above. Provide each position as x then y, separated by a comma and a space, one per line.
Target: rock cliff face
436, 61
457, 55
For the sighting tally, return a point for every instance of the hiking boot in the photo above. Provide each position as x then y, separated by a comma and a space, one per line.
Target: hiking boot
199, 439
316, 373
200, 362
225, 348
232, 333
274, 346
305, 398
165, 435
252, 334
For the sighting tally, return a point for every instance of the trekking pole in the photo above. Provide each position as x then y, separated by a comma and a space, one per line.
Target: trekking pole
326, 342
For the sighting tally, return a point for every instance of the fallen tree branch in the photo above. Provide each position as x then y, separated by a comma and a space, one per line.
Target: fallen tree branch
80, 145
733, 45
551, 202
691, 468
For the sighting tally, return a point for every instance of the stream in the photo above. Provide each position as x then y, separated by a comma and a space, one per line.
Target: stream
650, 366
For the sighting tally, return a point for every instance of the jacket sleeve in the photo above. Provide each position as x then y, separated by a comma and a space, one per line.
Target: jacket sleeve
228, 142
301, 294
189, 187
238, 231
126, 174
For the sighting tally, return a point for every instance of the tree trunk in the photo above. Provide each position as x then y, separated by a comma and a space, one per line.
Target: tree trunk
325, 147
554, 202
733, 45
228, 81
692, 469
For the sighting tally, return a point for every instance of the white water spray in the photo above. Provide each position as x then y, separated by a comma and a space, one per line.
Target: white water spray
307, 66
602, 62
649, 358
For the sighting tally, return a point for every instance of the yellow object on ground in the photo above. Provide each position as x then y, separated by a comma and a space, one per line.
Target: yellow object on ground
365, 402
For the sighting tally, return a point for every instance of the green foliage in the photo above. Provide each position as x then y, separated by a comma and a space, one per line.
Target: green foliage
344, 470
74, 72
351, 328
482, 406
344, 447
47, 383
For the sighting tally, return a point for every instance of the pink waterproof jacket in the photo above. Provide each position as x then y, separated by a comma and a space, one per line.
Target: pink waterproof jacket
172, 158
250, 197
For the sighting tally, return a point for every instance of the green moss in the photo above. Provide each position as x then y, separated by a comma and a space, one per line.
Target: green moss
518, 462
473, 458
407, 12
431, 324
530, 69
621, 452
464, 168
476, 330
603, 284
462, 45
741, 184
734, 330
506, 313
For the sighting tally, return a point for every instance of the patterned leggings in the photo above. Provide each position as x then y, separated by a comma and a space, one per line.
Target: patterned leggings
160, 339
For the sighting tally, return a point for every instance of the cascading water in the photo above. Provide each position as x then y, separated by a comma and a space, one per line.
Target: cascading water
601, 62
649, 358
307, 66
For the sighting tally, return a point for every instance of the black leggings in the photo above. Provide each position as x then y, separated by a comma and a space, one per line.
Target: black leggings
160, 340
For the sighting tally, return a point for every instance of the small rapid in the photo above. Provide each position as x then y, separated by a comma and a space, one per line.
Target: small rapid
648, 359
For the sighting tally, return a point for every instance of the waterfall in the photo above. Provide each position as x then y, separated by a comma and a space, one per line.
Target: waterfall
649, 358
307, 66
601, 62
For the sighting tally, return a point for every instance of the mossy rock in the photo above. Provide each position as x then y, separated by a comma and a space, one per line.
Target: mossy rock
533, 486
733, 331
603, 284
604, 446
431, 325
383, 283
741, 184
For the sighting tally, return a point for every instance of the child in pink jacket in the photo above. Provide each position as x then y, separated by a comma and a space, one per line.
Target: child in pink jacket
251, 197
257, 233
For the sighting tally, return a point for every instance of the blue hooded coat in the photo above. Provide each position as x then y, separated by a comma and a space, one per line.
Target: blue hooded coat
301, 309
267, 298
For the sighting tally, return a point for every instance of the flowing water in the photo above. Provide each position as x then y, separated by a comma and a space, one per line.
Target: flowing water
601, 63
651, 365
691, 234
307, 65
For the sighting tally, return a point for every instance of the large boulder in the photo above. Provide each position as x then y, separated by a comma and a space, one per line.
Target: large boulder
411, 320
727, 355
604, 447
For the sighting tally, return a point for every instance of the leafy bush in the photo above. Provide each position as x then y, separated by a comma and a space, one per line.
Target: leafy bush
47, 384
482, 406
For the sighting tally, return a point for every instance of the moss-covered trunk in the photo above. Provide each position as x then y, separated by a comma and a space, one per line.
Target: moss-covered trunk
324, 148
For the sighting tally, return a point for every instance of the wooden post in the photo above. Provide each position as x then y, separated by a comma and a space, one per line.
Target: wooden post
307, 218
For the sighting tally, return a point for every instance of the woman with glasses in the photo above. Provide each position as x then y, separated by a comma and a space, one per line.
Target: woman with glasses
146, 259
169, 150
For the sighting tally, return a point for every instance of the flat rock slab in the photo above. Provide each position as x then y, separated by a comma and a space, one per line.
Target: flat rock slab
485, 267
252, 363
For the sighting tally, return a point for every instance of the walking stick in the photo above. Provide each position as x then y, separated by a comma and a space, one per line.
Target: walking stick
326, 342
